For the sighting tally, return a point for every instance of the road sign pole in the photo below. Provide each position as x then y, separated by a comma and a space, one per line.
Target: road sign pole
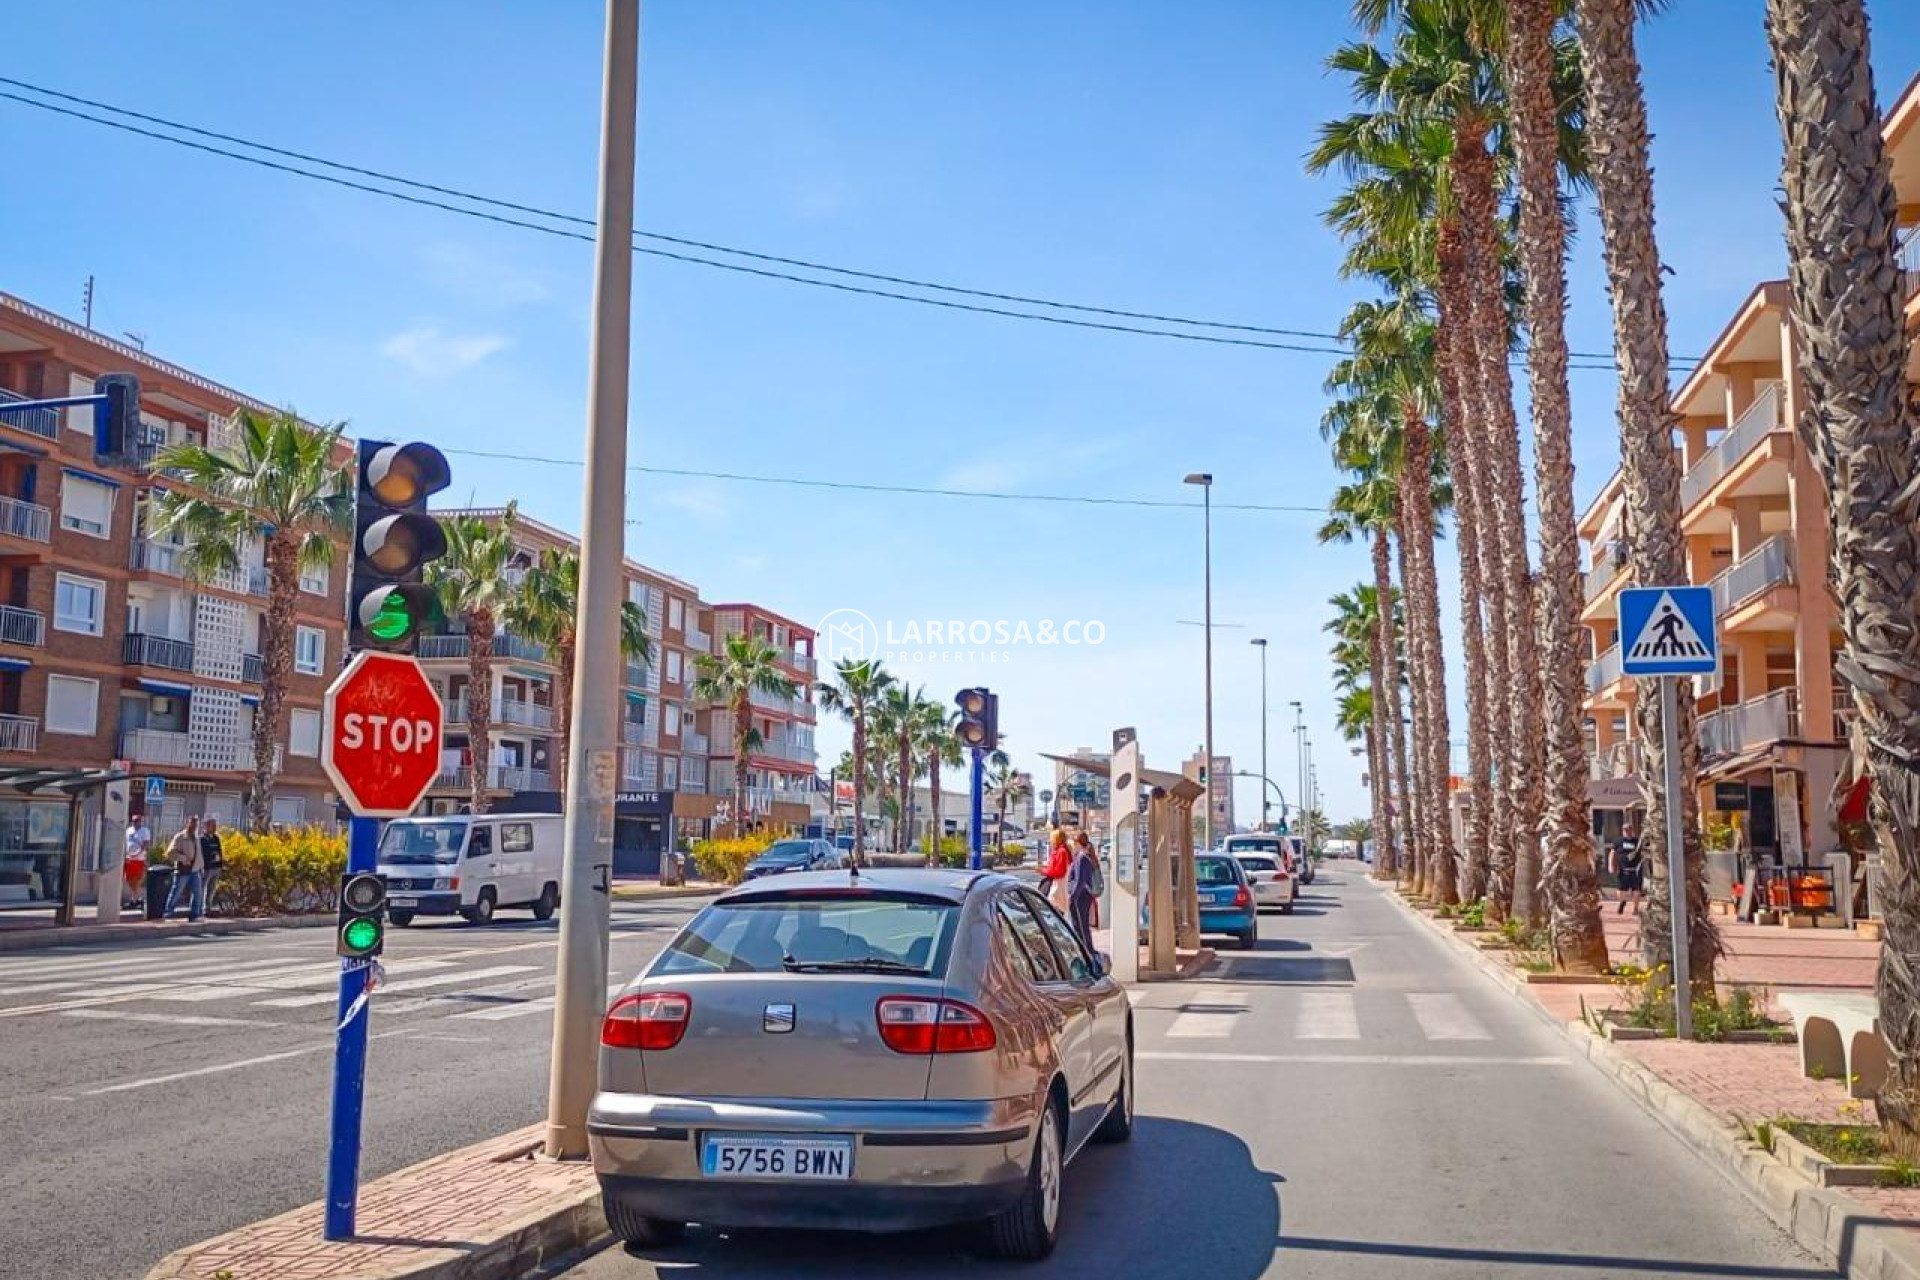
975, 786
350, 1059
1676, 864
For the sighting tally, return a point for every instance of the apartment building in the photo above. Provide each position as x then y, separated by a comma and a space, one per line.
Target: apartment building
1081, 797
108, 654
780, 770
1773, 721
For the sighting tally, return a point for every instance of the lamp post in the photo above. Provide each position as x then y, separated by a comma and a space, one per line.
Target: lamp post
1205, 480
1300, 765
1262, 645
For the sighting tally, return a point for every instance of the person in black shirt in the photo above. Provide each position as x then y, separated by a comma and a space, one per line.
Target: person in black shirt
1629, 869
212, 857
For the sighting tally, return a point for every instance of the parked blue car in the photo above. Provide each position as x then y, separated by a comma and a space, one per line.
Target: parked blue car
1226, 898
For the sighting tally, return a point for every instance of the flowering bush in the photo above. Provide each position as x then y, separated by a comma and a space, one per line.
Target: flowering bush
726, 859
275, 872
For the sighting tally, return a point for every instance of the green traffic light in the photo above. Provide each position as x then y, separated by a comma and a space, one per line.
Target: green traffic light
361, 935
393, 620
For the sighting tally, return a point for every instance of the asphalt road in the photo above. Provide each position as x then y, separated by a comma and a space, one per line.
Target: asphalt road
1351, 1101
154, 1094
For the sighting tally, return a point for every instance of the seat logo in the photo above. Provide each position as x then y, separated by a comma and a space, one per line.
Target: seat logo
778, 1019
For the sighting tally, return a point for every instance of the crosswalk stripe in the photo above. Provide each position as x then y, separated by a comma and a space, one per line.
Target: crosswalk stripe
169, 1019
1213, 1019
409, 984
1326, 1015
1442, 1016
505, 1011
447, 1001
310, 974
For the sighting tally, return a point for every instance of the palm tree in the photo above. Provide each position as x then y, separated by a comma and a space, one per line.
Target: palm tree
1007, 785
940, 744
1859, 427
546, 610
744, 666
1650, 476
1363, 632
898, 721
475, 586
854, 693
282, 481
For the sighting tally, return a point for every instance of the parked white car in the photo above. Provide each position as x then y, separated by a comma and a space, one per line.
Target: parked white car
1265, 862
460, 864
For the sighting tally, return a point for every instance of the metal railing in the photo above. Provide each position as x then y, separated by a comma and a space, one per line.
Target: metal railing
1768, 565
513, 777
155, 746
1910, 259
633, 733
258, 581
774, 702
505, 645
42, 422
140, 650
22, 626
698, 640
457, 779
253, 668
27, 520
1620, 760
19, 733
530, 715
1751, 724
695, 741
804, 663
634, 674
1603, 671
1609, 562
1767, 413
156, 557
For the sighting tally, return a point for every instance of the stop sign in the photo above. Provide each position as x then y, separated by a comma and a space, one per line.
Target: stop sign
380, 734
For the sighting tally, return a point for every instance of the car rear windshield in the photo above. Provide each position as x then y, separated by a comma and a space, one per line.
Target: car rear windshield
815, 933
1258, 862
1214, 871
1245, 845
786, 851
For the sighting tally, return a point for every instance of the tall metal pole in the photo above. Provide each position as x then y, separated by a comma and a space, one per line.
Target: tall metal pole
351, 1015
976, 786
1206, 826
1264, 806
581, 995
1676, 868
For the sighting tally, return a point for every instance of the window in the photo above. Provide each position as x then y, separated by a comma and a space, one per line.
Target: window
673, 665
73, 705
303, 732
792, 935
1065, 940
79, 604
289, 811
1016, 950
480, 842
670, 773
516, 837
86, 506
314, 581
1014, 910
676, 613
309, 650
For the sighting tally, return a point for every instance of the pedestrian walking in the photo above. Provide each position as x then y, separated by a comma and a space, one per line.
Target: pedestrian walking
1629, 869
1083, 890
133, 865
183, 851
213, 858
1082, 844
1053, 872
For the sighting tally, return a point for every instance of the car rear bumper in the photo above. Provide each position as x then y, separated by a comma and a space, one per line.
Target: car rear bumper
915, 1164
1228, 920
1273, 893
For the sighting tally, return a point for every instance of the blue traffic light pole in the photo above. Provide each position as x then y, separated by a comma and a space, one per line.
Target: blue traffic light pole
350, 1057
975, 784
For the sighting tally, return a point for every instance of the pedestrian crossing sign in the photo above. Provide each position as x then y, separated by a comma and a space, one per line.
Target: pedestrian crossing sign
1668, 631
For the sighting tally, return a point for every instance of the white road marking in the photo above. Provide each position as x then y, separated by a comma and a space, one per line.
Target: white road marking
1343, 951
1326, 1015
505, 1011
448, 1001
1352, 1059
311, 974
218, 1068
1211, 1018
1442, 1016
169, 1019
409, 984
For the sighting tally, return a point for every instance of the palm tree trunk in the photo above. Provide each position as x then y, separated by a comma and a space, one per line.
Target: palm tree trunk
1859, 427
1386, 700
1413, 779
933, 787
1490, 332
480, 630
742, 726
1423, 615
1617, 143
562, 710
276, 668
903, 835
1567, 879
859, 787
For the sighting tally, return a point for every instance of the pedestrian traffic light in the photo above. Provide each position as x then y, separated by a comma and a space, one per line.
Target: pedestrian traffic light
394, 539
979, 725
361, 930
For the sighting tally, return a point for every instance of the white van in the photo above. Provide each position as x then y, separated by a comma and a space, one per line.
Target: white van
472, 866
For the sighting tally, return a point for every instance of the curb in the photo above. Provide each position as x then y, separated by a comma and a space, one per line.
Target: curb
1841, 1231
639, 893
37, 939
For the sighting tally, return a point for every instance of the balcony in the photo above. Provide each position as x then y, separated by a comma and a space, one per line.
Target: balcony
1909, 250
782, 749
22, 626
504, 646
695, 741
634, 675
19, 733
513, 777
1603, 671
157, 557
784, 706
42, 422
1609, 562
27, 520
252, 668
257, 580
633, 733
699, 641
1621, 760
1751, 724
155, 746
1766, 414
803, 663
1768, 565
156, 651
530, 715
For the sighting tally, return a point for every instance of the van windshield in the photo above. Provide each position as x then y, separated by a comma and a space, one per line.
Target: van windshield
415, 842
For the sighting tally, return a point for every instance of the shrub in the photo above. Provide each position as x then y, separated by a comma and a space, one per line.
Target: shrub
726, 859
1009, 855
286, 871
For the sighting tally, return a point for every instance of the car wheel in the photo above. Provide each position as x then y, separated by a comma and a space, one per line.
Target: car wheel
1027, 1231
548, 900
1286, 908
1248, 937
1118, 1126
400, 918
481, 912
637, 1228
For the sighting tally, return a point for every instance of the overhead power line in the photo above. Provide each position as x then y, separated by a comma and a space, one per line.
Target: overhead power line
706, 246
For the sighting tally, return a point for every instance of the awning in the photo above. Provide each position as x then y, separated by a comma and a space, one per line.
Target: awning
168, 687
531, 673
637, 699
250, 699
1738, 763
15, 664
94, 476
14, 446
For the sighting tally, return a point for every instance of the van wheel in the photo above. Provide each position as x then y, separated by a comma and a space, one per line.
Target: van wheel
1028, 1230
400, 918
548, 900
637, 1228
481, 912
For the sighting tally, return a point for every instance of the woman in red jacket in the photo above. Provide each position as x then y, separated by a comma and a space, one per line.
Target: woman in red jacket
1053, 872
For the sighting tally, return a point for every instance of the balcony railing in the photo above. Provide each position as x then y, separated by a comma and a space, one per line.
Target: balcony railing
456, 779
529, 715
633, 733
1910, 259
1751, 724
27, 520
804, 663
156, 651
505, 645
1603, 671
695, 741
258, 581
253, 669
774, 702
781, 749
634, 674
155, 746
156, 557
698, 640
22, 626
42, 422
1621, 760
1768, 565
19, 733
512, 777
1766, 413
1609, 562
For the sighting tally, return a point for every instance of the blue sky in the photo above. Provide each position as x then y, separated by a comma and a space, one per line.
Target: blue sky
1141, 155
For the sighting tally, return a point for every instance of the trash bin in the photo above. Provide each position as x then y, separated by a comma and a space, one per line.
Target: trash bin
159, 884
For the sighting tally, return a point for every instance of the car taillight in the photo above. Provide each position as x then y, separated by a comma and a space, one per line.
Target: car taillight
1241, 897
648, 1020
914, 1024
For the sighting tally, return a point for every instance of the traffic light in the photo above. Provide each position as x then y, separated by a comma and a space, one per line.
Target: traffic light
361, 930
979, 725
116, 424
393, 540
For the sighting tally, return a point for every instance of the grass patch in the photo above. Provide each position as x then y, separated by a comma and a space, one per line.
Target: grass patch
1840, 1143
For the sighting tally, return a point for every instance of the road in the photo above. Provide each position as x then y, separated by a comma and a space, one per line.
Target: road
161, 1092
1351, 1101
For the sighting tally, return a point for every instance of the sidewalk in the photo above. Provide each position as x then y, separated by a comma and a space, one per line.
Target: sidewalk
37, 936
652, 890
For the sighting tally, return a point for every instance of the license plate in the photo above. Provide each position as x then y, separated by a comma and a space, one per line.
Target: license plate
402, 900
1223, 895
775, 1157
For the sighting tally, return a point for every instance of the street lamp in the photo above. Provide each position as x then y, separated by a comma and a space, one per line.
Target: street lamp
1262, 644
1300, 764
1205, 480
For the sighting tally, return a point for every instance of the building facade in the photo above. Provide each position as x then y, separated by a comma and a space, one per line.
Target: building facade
1081, 797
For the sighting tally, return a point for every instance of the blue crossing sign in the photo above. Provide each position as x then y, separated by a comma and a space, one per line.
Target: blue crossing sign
1668, 631
156, 790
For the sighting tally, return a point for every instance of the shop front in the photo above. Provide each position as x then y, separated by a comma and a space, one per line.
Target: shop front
646, 824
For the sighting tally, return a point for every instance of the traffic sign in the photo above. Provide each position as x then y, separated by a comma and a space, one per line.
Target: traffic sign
156, 790
380, 734
1668, 631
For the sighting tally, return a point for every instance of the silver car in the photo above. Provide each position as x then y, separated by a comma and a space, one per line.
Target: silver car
879, 1050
